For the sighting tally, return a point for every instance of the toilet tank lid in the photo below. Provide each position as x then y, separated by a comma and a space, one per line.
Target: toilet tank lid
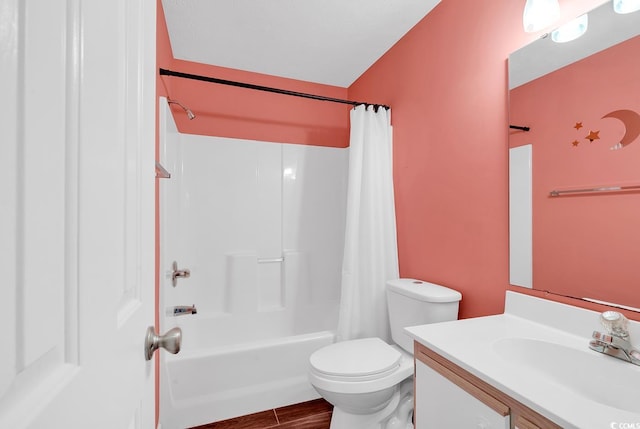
423, 291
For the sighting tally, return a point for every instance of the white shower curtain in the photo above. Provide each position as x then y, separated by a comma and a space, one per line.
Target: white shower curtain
370, 250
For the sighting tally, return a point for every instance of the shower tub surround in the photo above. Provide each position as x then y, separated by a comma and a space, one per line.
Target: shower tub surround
260, 226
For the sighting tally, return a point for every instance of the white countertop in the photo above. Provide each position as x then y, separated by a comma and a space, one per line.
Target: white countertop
471, 344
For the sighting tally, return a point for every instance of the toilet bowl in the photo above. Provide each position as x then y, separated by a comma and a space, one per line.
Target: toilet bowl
359, 375
368, 381
361, 379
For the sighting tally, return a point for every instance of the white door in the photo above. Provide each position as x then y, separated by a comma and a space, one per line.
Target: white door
77, 85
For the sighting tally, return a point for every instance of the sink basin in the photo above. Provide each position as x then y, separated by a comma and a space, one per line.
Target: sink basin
597, 377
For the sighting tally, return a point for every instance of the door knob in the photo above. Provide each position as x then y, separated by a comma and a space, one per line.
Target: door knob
170, 341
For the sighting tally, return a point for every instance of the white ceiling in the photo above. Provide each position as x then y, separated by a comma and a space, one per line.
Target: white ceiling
323, 41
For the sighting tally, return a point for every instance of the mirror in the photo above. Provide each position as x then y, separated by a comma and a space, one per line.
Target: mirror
575, 174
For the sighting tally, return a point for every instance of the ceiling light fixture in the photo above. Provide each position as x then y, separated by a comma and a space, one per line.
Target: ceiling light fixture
539, 14
626, 6
571, 30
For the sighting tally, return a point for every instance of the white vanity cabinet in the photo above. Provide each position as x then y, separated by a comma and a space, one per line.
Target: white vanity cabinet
441, 403
447, 396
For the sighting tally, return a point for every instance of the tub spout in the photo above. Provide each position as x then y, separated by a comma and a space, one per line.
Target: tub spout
181, 310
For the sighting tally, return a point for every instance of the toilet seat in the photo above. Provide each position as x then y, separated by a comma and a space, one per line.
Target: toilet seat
356, 360
359, 366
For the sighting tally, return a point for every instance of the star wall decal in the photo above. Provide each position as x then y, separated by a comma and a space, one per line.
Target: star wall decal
578, 125
575, 143
593, 135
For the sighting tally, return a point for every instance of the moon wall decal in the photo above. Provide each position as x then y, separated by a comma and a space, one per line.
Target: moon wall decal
631, 121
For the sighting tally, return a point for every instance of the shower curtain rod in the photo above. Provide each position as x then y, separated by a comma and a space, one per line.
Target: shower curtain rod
165, 72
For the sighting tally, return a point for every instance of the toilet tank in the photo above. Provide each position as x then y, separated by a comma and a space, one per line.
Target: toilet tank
414, 302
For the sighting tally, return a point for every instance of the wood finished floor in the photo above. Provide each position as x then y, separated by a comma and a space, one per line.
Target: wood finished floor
314, 414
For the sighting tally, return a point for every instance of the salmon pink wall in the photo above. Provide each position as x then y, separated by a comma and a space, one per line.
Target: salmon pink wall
446, 81
562, 109
229, 111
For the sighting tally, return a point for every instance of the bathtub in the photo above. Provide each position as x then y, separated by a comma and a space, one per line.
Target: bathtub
203, 385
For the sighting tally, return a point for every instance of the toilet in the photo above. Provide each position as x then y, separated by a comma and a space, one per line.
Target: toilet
369, 382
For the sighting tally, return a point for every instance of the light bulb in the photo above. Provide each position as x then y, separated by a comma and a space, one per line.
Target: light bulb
571, 30
539, 14
626, 6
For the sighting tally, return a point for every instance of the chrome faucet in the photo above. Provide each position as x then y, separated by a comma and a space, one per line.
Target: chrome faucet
181, 310
616, 342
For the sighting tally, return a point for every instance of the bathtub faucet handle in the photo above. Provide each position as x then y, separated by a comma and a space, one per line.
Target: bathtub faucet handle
176, 274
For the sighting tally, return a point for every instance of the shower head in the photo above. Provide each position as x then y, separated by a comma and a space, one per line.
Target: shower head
188, 111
